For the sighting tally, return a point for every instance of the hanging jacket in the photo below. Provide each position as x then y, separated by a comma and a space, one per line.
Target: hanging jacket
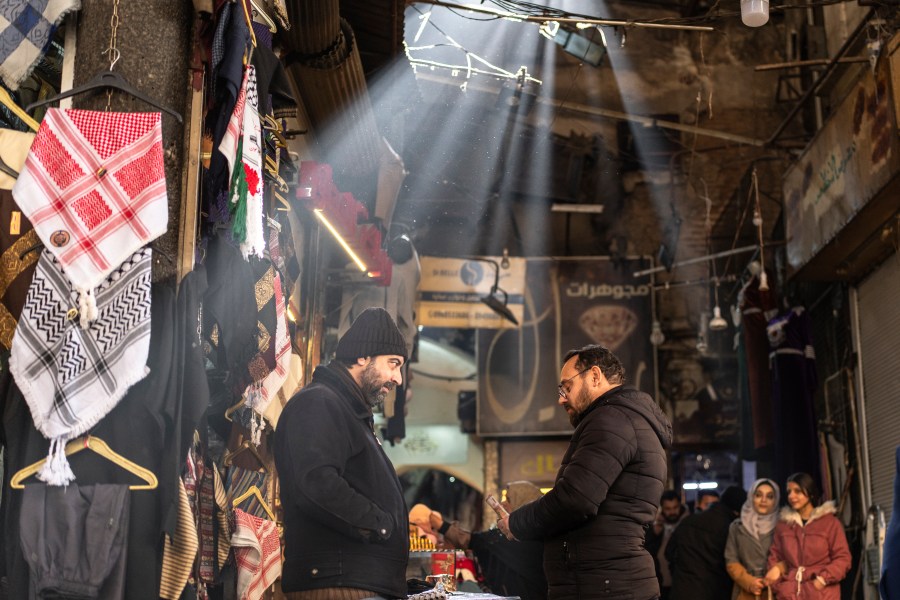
345, 521
606, 494
805, 551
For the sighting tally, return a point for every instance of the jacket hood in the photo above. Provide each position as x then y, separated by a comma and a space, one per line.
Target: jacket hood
641, 403
789, 515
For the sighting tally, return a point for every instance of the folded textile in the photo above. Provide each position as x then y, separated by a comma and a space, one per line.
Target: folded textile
94, 188
257, 553
72, 377
26, 29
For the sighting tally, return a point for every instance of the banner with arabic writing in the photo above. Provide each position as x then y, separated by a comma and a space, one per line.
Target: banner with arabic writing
569, 303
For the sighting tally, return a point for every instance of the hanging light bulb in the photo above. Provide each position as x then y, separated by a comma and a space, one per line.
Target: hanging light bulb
717, 323
763, 281
701, 335
656, 334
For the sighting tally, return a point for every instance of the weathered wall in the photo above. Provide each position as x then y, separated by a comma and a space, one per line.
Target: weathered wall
153, 38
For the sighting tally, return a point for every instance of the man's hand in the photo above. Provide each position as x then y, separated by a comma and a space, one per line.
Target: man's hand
503, 526
819, 583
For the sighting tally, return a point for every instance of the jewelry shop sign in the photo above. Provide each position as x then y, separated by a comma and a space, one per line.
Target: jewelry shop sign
451, 292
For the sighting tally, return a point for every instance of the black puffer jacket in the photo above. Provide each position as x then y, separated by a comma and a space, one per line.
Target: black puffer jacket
607, 491
345, 521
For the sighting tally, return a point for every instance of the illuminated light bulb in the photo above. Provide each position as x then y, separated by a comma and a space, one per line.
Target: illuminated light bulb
717, 323
763, 282
656, 334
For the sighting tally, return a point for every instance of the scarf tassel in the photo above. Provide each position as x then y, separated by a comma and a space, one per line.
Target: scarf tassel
87, 307
56, 470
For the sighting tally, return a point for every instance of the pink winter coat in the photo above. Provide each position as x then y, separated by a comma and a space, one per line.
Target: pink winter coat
818, 548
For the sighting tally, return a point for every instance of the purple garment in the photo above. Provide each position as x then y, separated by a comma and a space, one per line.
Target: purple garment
794, 383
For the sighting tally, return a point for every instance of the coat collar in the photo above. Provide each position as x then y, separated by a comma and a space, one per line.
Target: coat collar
789, 515
338, 378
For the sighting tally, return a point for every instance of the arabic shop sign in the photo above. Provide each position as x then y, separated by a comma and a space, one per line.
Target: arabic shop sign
451, 290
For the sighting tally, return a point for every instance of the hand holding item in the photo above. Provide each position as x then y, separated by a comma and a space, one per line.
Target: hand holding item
757, 586
503, 525
819, 583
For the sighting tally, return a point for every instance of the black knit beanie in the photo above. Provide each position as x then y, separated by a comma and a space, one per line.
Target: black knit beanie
373, 333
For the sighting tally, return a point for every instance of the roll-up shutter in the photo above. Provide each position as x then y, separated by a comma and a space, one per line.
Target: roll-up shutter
879, 345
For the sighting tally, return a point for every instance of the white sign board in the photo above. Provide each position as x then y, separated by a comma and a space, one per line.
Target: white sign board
451, 292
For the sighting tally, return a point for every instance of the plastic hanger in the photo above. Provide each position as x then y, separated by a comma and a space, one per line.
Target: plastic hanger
106, 80
7, 101
100, 447
8, 169
245, 445
253, 491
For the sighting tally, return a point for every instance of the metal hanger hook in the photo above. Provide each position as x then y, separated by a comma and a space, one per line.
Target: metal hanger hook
114, 55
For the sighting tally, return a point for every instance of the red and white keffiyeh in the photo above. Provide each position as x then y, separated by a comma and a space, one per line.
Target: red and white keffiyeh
94, 187
257, 554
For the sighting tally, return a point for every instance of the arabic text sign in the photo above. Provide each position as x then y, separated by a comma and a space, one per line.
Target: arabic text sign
451, 290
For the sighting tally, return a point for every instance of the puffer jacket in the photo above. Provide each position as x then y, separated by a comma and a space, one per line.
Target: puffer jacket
606, 495
345, 520
818, 548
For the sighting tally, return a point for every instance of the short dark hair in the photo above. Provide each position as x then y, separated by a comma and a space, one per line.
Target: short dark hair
669, 495
712, 493
808, 485
595, 355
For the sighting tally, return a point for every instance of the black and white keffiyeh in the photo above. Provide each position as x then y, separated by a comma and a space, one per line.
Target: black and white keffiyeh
71, 377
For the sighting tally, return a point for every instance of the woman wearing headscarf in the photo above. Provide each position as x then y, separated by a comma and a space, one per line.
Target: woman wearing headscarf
749, 539
809, 555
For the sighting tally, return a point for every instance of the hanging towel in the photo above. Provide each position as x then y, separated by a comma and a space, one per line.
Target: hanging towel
26, 30
72, 377
94, 188
257, 553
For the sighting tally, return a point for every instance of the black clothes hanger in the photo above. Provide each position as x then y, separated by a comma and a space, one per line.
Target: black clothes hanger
106, 80
8, 169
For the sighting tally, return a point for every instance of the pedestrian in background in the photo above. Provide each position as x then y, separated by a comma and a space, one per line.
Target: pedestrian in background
809, 556
749, 539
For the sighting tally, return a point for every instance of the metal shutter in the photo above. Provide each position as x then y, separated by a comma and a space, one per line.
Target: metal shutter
878, 299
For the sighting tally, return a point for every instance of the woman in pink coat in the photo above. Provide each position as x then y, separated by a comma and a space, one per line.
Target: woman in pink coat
809, 555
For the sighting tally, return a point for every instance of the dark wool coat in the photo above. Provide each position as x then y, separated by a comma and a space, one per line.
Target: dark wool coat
345, 521
820, 547
696, 555
606, 493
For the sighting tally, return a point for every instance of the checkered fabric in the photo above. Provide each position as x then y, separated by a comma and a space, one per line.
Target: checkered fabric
72, 377
260, 395
26, 29
257, 554
94, 188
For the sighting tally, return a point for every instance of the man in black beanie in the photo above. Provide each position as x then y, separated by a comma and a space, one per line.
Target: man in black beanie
696, 551
346, 526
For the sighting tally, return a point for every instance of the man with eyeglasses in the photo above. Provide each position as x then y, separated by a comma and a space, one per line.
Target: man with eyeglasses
607, 489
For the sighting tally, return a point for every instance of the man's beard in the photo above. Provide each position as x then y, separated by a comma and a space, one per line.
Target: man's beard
371, 386
584, 401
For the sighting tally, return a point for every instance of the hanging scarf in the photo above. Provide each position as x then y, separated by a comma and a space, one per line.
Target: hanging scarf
260, 395
26, 28
72, 377
242, 147
756, 524
257, 554
94, 188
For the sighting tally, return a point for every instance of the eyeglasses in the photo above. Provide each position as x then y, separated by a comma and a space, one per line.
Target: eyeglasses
561, 389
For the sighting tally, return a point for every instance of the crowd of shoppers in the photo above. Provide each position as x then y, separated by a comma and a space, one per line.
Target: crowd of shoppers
745, 548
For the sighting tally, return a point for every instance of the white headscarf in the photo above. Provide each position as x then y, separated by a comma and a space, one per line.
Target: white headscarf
755, 523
